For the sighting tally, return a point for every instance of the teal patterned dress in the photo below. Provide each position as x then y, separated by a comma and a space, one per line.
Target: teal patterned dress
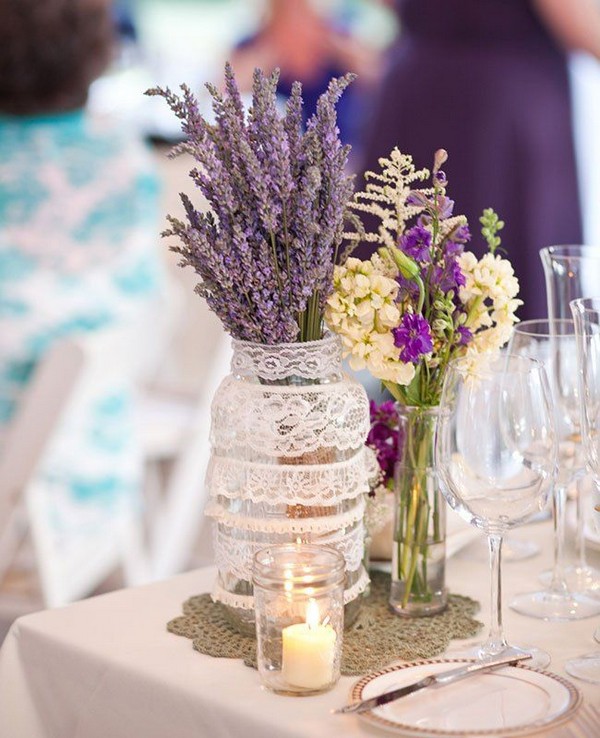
78, 257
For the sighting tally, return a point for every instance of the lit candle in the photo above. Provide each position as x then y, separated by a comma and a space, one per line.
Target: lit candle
308, 651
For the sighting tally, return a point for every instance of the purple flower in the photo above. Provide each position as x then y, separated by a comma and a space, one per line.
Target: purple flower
455, 245
416, 242
448, 277
453, 276
408, 288
383, 438
462, 234
464, 334
441, 178
445, 206
385, 413
452, 248
416, 199
413, 337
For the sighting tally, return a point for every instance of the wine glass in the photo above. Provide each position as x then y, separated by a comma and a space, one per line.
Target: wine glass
586, 314
572, 272
496, 454
553, 343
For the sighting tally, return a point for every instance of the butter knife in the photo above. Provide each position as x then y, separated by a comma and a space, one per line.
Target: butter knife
434, 680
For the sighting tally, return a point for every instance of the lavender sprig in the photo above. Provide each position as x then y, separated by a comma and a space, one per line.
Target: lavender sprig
277, 195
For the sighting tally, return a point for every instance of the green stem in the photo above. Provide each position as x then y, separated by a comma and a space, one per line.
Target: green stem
418, 518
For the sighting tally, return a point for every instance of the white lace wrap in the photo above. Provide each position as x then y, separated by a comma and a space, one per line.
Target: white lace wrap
313, 360
290, 421
288, 460
292, 527
292, 484
235, 550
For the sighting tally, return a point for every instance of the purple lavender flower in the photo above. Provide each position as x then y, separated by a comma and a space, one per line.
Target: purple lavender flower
416, 242
266, 247
413, 337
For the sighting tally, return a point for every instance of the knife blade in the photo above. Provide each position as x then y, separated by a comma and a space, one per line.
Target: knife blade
437, 680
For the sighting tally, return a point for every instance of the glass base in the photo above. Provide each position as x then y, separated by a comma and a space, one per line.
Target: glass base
558, 606
436, 602
296, 692
581, 579
540, 659
586, 667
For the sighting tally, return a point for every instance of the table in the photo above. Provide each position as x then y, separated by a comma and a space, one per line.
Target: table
107, 668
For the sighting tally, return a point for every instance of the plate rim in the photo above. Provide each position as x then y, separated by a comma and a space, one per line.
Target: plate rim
575, 695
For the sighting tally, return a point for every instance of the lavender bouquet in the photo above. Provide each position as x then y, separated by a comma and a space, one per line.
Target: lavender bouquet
420, 301
265, 249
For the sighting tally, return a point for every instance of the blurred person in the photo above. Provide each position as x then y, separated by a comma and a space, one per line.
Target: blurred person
488, 81
78, 237
303, 41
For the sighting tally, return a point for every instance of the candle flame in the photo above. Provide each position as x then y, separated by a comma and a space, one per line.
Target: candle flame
312, 614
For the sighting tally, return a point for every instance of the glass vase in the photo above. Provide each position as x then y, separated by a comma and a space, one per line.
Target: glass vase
573, 272
288, 465
419, 548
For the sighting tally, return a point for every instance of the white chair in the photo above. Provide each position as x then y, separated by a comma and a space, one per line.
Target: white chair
34, 572
26, 440
176, 439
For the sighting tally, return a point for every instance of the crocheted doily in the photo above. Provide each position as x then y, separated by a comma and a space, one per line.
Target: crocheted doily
376, 639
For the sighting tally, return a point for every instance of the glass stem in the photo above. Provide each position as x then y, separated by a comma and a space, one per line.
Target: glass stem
559, 498
580, 537
496, 642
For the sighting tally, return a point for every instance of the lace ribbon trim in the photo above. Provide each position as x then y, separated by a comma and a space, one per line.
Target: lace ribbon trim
297, 484
246, 602
289, 421
234, 554
311, 360
323, 524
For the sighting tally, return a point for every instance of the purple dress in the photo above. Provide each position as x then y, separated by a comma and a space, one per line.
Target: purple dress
484, 80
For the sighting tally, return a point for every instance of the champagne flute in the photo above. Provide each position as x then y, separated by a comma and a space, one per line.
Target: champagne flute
496, 454
572, 272
586, 314
553, 343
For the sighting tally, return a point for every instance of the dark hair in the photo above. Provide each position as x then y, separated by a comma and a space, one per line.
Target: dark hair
50, 52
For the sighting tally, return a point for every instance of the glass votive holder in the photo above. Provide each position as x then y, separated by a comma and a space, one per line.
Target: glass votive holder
299, 608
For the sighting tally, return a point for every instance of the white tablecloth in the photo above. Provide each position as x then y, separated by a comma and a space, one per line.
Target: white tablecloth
107, 668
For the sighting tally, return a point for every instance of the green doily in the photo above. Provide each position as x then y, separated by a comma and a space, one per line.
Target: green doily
376, 639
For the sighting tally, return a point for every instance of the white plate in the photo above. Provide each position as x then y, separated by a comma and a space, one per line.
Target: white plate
512, 701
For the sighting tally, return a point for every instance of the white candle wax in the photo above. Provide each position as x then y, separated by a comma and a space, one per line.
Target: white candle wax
308, 654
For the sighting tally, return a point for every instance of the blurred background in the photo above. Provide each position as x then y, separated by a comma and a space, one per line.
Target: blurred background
108, 360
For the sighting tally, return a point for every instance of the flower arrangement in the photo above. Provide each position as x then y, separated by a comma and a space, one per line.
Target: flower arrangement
421, 300
418, 302
277, 192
